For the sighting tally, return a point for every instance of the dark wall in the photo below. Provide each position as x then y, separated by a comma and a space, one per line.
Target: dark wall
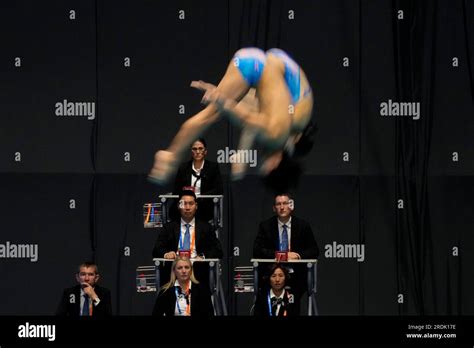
76, 186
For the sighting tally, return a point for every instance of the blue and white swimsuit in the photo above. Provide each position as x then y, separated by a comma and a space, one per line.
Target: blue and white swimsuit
251, 62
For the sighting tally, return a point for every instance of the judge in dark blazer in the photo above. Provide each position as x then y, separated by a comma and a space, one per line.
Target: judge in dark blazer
201, 241
301, 241
87, 298
183, 295
275, 300
171, 237
203, 176
285, 232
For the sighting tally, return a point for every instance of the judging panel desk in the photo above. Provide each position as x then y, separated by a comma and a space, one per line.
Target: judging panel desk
312, 269
215, 283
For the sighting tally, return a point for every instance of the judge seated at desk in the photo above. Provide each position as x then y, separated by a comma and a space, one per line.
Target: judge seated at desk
189, 237
288, 235
201, 176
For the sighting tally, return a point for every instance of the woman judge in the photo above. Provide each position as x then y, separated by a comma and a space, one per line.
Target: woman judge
183, 295
274, 300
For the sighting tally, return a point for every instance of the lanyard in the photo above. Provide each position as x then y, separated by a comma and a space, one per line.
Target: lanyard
188, 301
270, 307
148, 214
181, 242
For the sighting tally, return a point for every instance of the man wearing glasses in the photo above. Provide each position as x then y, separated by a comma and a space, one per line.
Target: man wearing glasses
288, 234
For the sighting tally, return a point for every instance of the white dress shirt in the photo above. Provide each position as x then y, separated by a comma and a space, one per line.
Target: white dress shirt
194, 181
181, 301
282, 296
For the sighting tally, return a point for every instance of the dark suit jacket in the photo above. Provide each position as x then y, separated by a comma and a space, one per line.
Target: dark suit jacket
302, 239
211, 180
201, 304
68, 308
206, 240
211, 184
261, 305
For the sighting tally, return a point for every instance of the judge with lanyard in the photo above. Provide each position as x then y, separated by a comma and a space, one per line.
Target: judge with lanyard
188, 234
86, 298
183, 295
275, 300
201, 176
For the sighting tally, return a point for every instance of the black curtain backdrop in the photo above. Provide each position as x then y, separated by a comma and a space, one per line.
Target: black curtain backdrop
402, 187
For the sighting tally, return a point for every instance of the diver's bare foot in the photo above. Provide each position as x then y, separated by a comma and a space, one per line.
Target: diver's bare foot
165, 165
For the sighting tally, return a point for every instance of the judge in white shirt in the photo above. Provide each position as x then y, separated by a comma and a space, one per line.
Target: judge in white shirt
86, 298
190, 236
201, 176
275, 300
183, 295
